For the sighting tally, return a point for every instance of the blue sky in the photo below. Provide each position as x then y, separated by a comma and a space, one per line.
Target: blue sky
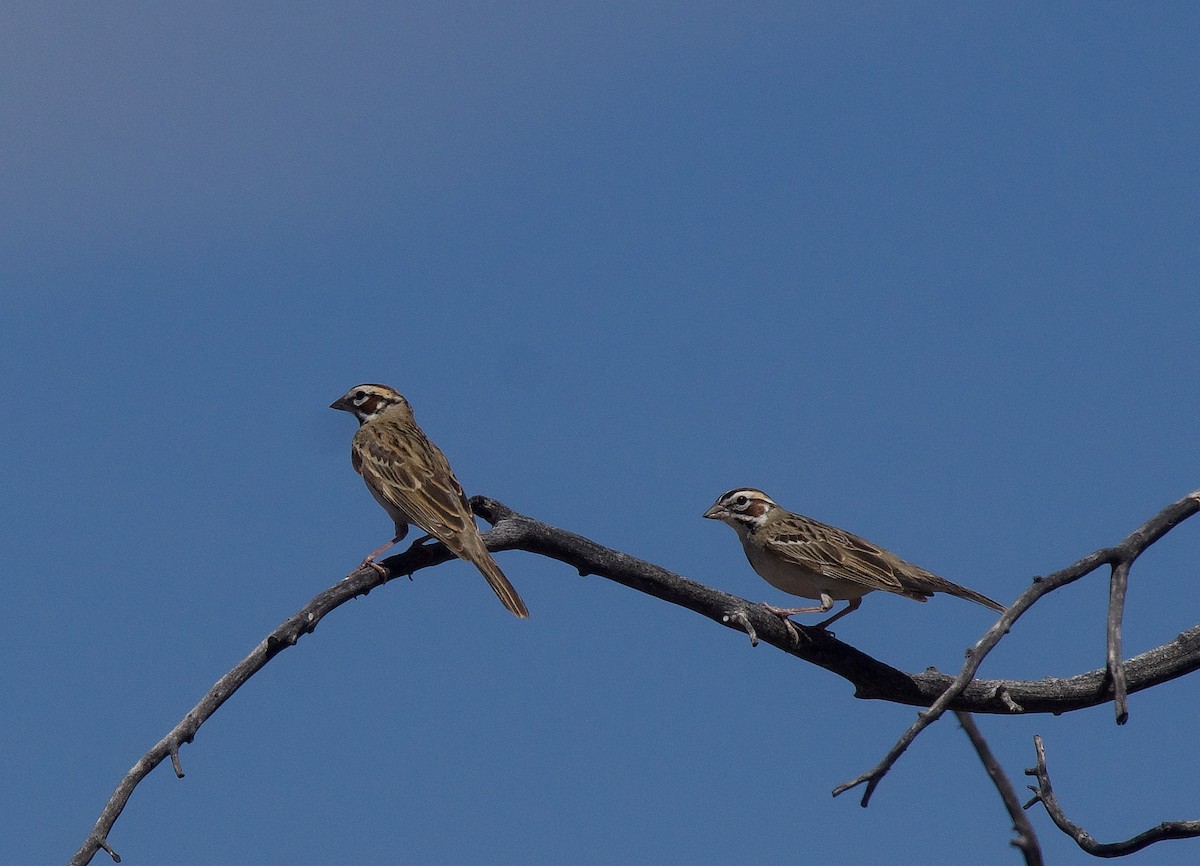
925, 272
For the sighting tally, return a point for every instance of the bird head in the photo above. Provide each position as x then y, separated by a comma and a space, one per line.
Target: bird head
742, 508
367, 402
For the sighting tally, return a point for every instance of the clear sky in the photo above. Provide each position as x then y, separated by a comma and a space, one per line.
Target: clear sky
924, 271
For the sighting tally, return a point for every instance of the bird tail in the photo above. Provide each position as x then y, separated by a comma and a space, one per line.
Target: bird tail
977, 597
478, 555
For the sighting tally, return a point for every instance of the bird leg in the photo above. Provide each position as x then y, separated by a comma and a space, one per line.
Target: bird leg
849, 608
825, 606
412, 546
784, 612
370, 562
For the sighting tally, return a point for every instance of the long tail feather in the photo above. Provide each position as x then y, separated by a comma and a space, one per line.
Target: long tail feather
972, 595
478, 555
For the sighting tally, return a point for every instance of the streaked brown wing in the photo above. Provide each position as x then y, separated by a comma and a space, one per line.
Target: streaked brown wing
412, 473
836, 553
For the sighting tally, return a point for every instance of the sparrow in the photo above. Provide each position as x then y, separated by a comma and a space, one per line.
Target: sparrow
811, 559
410, 477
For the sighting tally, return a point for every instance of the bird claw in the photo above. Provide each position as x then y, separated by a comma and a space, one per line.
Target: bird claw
369, 562
785, 613
791, 627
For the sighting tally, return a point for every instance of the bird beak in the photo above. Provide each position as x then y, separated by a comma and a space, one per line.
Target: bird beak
715, 513
340, 403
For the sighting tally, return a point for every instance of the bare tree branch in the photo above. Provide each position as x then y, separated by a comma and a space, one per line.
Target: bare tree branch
1114, 666
1026, 839
303, 622
872, 679
1122, 554
1044, 794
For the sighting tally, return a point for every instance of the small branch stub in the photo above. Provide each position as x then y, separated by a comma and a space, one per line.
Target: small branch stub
740, 618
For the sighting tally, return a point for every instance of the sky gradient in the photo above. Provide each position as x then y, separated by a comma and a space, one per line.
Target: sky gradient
925, 272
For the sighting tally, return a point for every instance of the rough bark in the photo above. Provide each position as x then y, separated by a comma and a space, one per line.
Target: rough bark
871, 678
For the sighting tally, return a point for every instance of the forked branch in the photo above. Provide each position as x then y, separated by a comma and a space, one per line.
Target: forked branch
1118, 678
872, 679
1043, 793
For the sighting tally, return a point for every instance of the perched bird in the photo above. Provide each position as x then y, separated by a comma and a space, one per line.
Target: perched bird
410, 477
814, 560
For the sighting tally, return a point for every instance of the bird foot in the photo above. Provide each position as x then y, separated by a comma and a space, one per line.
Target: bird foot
785, 612
370, 562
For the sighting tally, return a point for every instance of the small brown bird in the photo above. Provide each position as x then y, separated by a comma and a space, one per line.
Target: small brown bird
814, 560
410, 477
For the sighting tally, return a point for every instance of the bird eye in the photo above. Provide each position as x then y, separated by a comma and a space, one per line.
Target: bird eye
741, 500
359, 396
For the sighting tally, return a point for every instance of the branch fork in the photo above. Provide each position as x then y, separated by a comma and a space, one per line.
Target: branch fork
871, 678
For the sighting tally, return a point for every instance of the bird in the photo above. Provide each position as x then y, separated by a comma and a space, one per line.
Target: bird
410, 477
811, 559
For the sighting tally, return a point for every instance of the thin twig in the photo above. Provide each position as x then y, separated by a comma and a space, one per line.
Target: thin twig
1128, 550
301, 623
1044, 794
1026, 840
